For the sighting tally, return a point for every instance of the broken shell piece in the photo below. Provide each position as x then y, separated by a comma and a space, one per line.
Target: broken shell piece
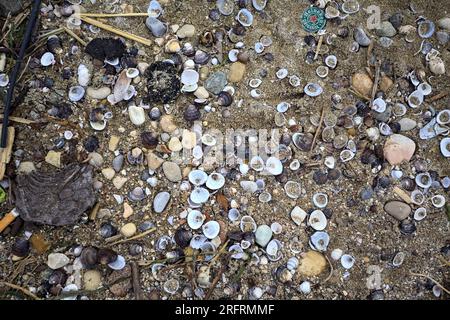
208, 140
347, 261
319, 241
195, 219
426, 29
346, 155
197, 177
317, 220
438, 201
83, 75
298, 215
313, 89
420, 214
320, 200
215, 181
154, 9
415, 99
294, 81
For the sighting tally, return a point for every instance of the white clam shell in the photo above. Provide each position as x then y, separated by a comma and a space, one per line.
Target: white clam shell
415, 99
257, 163
197, 241
237, 250
282, 73
424, 180
276, 228
249, 186
118, 264
322, 71
254, 83
283, 106
136, 114
319, 240
320, 200
292, 263
255, 93
233, 214
211, 229
294, 81
420, 214
48, 59
76, 93
259, 5
4, 79
331, 61
445, 147
208, 140
197, 177
189, 77
379, 105
347, 261
274, 166
232, 55
424, 88
154, 9
336, 254
132, 73
259, 47
294, 165
195, 219
248, 224
83, 75
417, 197
264, 197
438, 201
244, 17
293, 189
215, 181
273, 250
330, 162
317, 220
399, 109
298, 215
313, 89
199, 195
346, 155
305, 287
443, 117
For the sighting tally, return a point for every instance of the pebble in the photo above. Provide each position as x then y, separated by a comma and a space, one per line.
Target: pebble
160, 202
128, 230
186, 31
396, 20
216, 82
407, 124
386, 29
361, 37
237, 71
92, 280
366, 193
57, 260
175, 144
444, 23
108, 173
118, 162
153, 161
443, 37
397, 209
189, 139
117, 286
172, 171
113, 143
136, 114
263, 235
26, 167
95, 159
167, 124
119, 181
201, 93
127, 210
53, 158
99, 94
386, 83
362, 83
172, 46
312, 264
398, 148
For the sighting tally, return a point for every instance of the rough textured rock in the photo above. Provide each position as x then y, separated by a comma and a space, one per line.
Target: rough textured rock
312, 264
55, 198
397, 209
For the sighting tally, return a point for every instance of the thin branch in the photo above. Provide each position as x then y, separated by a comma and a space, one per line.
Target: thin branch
430, 278
23, 290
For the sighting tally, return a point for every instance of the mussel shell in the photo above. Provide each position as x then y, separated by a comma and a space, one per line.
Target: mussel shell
182, 237
106, 256
149, 139
21, 247
191, 113
224, 99
303, 141
89, 257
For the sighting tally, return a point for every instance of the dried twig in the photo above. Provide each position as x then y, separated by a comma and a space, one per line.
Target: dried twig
375, 83
403, 195
359, 95
136, 283
23, 290
331, 270
438, 96
112, 15
217, 279
430, 278
19, 120
73, 34
319, 45
318, 129
141, 235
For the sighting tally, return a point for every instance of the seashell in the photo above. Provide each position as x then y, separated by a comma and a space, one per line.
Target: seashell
121, 86
256, 163
399, 109
233, 214
259, 5
445, 182
417, 197
154, 9
415, 99
281, 73
157, 28
83, 75
47, 59
225, 7
302, 141
322, 71
346, 155
445, 147
294, 165
427, 131
336, 254
294, 81
137, 194
259, 47
331, 12
255, 93
4, 79
319, 240
171, 286
276, 228
424, 88
215, 181
106, 256
266, 40
273, 250
436, 65
305, 287
385, 129
320, 200
317, 220
292, 189
420, 214
424, 180
224, 99
379, 105
260, 184
298, 215
361, 37
331, 61
237, 251
191, 113
208, 140
233, 55
274, 166
443, 117
249, 186
197, 241
354, 47
199, 195
20, 248
132, 73
244, 17
136, 114
211, 229
54, 45
265, 197
255, 83
328, 134
292, 263
248, 224
398, 259
76, 93
201, 57
107, 230
350, 6
347, 261
197, 177
189, 77
195, 219
118, 264
426, 29
313, 89
438, 201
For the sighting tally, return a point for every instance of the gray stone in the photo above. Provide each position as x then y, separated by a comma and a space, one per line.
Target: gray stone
386, 30
160, 202
361, 37
443, 37
57, 260
263, 235
444, 23
216, 82
396, 20
384, 116
172, 171
118, 162
397, 209
13, 6
407, 124
366, 193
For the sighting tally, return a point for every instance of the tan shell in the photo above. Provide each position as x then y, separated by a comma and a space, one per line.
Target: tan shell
362, 83
312, 264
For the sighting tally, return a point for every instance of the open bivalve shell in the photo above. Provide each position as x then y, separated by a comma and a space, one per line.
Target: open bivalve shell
438, 201
215, 181
320, 200
248, 224
274, 166
420, 214
195, 219
445, 147
317, 220
319, 241
415, 99
197, 177
211, 229
347, 261
199, 195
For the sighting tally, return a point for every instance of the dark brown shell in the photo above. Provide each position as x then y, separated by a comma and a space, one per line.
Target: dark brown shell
106, 256
183, 237
21, 247
224, 99
89, 257
191, 113
149, 139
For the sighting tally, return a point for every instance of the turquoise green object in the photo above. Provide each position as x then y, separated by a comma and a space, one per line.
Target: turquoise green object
2, 195
313, 19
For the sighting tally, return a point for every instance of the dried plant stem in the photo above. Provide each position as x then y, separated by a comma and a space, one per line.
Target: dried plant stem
141, 235
438, 96
403, 195
359, 95
136, 282
19, 120
319, 45
331, 270
430, 278
23, 290
318, 129
113, 15
116, 31
51, 33
73, 35
375, 83
216, 280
